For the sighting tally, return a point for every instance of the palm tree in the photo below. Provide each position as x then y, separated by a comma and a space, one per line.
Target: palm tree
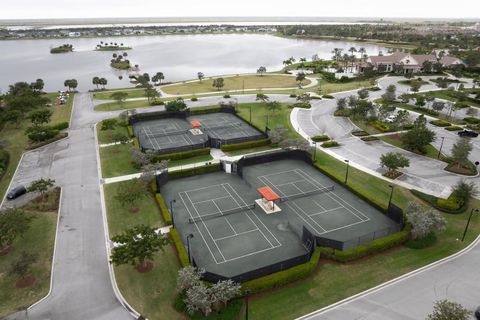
96, 81
362, 52
337, 54
352, 50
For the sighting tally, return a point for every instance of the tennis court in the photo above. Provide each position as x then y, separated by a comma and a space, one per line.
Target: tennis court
232, 236
168, 134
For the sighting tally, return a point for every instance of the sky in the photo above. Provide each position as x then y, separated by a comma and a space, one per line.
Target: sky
44, 9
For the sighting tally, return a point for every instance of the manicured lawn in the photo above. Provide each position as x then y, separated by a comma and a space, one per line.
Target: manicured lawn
17, 142
183, 162
117, 160
153, 293
39, 240
107, 136
113, 106
235, 83
132, 93
260, 111
249, 150
395, 139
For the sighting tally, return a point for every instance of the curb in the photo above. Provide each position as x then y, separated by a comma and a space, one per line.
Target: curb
392, 282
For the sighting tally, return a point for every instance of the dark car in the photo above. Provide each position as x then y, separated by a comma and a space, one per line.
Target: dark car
16, 192
467, 133
477, 313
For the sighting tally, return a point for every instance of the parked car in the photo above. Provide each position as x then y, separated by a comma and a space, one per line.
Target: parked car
477, 313
467, 133
16, 192
390, 119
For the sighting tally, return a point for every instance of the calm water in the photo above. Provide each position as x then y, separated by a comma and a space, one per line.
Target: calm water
179, 57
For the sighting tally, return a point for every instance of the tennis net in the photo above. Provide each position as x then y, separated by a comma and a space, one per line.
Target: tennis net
309, 193
163, 134
221, 214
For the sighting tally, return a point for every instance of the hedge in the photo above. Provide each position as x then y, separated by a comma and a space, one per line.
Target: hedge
471, 120
380, 126
360, 133
181, 155
330, 144
283, 277
453, 128
60, 126
440, 123
320, 138
369, 138
167, 217
328, 96
135, 143
213, 109
449, 205
422, 243
181, 251
246, 145
367, 249
4, 160
194, 171
130, 131
157, 103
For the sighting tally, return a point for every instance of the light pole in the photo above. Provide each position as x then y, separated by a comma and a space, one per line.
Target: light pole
266, 125
391, 195
314, 151
468, 223
441, 146
346, 173
188, 247
250, 114
247, 294
171, 211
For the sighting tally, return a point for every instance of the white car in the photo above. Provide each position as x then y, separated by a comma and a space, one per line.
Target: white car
390, 119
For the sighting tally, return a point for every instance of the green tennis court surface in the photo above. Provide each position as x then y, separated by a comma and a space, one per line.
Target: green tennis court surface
232, 236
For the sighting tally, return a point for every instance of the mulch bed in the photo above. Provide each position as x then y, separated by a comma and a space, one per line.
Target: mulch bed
453, 167
145, 268
25, 282
392, 174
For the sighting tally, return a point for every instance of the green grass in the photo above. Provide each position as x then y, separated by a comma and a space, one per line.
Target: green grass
112, 48
280, 117
153, 293
131, 92
248, 150
17, 142
116, 160
196, 159
235, 83
394, 140
38, 239
122, 65
107, 136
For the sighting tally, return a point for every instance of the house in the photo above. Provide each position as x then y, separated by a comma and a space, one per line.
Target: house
403, 62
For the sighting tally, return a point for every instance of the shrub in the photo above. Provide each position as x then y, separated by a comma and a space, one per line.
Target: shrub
440, 123
60, 126
453, 128
360, 133
380, 126
374, 89
293, 95
283, 277
328, 96
408, 126
205, 110
316, 98
471, 120
41, 133
342, 113
226, 96
181, 250
330, 144
194, 171
167, 217
450, 204
369, 138
302, 105
4, 160
130, 131
246, 145
108, 124
135, 143
423, 242
320, 138
370, 248
157, 103
180, 155
194, 99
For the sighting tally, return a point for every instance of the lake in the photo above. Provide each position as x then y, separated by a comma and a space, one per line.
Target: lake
179, 57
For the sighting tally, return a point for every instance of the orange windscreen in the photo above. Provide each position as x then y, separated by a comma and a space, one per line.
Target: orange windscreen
195, 124
268, 194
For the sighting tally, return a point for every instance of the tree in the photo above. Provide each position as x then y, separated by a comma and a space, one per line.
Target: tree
393, 161
189, 277
71, 84
438, 106
415, 86
139, 159
130, 192
22, 265
224, 291
119, 96
261, 70
390, 94
463, 191
151, 93
300, 77
262, 97
277, 134
472, 112
198, 298
150, 170
420, 101
108, 124
158, 77
461, 151
176, 105
419, 137
218, 83
304, 98
41, 185
103, 82
273, 106
447, 310
13, 116
424, 221
341, 104
137, 245
200, 76
96, 81
38, 85
405, 98
401, 118
363, 93
13, 223
297, 144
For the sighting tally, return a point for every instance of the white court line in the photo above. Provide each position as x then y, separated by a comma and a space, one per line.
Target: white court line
211, 199
208, 230
323, 212
279, 243
319, 205
330, 196
203, 188
198, 229
236, 235
318, 224
283, 184
303, 218
218, 208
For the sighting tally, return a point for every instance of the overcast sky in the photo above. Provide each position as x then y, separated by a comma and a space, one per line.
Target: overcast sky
35, 9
